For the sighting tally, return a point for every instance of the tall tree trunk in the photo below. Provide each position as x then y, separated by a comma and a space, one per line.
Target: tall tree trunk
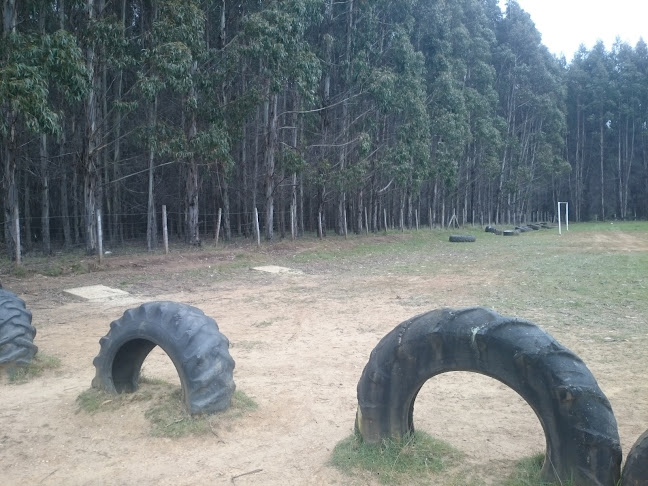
89, 155
75, 205
602, 158
27, 218
151, 221
12, 229
45, 196
103, 188
246, 220
342, 220
192, 181
223, 188
65, 208
271, 147
255, 169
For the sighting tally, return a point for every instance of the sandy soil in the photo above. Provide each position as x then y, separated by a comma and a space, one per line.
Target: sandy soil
300, 343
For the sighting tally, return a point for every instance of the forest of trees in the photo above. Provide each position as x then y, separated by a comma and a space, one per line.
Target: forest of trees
325, 116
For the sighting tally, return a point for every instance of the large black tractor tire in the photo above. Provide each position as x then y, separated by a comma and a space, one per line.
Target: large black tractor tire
191, 339
462, 238
511, 233
635, 470
16, 332
580, 429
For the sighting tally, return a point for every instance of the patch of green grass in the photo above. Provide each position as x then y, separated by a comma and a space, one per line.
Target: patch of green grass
169, 417
36, 367
166, 409
527, 473
19, 272
54, 270
415, 461
93, 400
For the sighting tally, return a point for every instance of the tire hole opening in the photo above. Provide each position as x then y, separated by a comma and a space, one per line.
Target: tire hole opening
141, 358
482, 417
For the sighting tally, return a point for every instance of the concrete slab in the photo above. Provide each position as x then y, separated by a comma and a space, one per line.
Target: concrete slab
97, 293
276, 269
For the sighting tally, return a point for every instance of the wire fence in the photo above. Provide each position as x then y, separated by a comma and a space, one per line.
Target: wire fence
128, 230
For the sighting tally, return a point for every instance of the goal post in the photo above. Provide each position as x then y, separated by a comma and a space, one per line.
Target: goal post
566, 216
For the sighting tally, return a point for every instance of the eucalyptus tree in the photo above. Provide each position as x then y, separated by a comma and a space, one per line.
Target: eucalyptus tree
274, 40
641, 182
531, 93
578, 135
173, 55
627, 119
475, 41
33, 62
600, 106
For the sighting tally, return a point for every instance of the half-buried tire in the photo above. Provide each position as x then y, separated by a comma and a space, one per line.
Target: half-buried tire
635, 470
582, 440
16, 331
191, 339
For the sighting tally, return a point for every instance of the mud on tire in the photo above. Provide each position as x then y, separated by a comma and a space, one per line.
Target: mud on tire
191, 339
580, 429
16, 332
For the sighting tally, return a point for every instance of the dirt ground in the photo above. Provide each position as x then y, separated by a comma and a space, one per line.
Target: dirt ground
300, 343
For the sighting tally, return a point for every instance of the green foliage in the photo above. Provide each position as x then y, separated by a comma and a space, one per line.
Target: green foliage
31, 65
165, 409
274, 37
441, 101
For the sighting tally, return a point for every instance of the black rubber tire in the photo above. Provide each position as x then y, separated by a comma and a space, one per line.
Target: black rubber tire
534, 227
462, 238
580, 429
490, 229
511, 233
191, 339
635, 470
16, 331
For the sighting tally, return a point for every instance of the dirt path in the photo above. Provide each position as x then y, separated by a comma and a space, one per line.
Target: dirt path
300, 343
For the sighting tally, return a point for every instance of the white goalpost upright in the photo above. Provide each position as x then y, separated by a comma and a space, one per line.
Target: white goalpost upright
566, 216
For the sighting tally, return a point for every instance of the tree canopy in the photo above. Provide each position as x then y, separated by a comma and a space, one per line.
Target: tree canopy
319, 115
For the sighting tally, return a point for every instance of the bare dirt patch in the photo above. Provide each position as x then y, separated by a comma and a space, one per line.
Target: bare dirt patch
619, 241
300, 343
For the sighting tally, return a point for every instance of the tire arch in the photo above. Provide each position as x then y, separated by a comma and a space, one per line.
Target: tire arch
582, 441
193, 342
